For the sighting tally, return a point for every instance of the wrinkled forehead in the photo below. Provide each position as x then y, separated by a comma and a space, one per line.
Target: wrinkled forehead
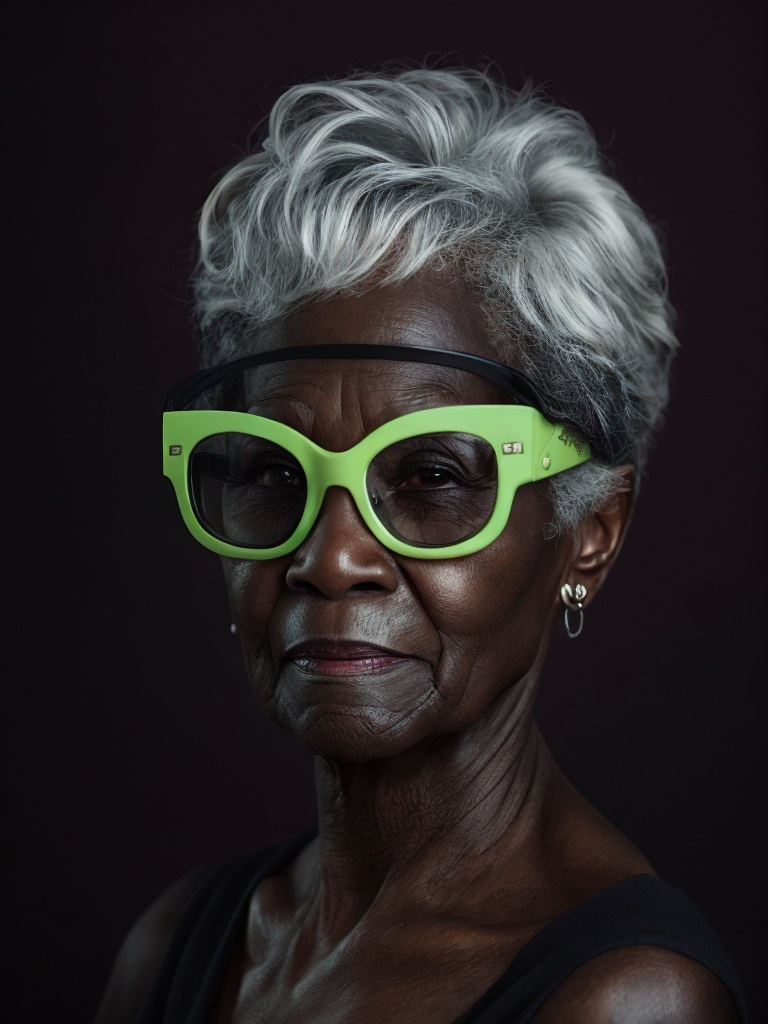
322, 398
368, 382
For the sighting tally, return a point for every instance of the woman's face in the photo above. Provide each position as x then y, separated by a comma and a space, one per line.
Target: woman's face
362, 653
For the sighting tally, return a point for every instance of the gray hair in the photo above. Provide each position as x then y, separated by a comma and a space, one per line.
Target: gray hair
388, 174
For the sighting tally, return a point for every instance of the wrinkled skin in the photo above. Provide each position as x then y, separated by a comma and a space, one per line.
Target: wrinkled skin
448, 836
472, 628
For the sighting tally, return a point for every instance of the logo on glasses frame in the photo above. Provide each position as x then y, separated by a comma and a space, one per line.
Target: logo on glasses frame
570, 437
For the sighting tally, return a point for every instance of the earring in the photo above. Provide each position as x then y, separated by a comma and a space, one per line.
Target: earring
573, 599
233, 628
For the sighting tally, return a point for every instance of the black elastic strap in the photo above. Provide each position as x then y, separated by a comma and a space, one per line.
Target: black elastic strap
512, 382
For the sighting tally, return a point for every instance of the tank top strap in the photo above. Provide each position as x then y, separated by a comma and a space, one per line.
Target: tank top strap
189, 975
642, 910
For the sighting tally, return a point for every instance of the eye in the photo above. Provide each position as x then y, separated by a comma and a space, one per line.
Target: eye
277, 474
430, 477
269, 469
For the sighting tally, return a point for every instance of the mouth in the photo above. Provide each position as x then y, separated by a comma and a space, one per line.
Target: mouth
342, 657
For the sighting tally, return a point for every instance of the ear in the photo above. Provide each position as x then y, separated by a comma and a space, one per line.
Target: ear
598, 539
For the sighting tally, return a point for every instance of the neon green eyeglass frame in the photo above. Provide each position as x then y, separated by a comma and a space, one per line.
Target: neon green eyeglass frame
528, 446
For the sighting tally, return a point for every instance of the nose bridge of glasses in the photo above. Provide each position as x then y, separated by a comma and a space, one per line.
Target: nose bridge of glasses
337, 469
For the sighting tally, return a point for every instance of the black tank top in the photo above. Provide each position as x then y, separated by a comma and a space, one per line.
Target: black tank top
642, 910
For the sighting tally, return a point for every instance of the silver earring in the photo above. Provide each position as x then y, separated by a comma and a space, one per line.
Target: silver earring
573, 599
233, 628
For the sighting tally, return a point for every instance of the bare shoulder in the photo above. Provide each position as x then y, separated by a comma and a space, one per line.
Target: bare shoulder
639, 985
142, 952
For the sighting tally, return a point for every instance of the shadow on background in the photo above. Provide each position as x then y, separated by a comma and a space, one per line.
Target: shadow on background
137, 751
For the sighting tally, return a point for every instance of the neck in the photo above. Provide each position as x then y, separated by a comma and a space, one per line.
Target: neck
447, 809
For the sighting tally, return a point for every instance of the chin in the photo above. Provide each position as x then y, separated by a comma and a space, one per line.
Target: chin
348, 738
354, 732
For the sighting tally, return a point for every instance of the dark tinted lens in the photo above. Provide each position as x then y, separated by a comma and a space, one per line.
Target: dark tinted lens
246, 490
434, 490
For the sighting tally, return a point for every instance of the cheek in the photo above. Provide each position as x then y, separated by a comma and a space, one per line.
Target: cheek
493, 609
254, 589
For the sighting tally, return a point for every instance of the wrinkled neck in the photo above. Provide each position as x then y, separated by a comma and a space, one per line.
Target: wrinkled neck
445, 811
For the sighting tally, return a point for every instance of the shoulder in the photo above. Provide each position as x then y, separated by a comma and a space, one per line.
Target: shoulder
142, 952
639, 985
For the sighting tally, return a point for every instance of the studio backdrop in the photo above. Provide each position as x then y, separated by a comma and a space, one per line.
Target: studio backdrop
137, 751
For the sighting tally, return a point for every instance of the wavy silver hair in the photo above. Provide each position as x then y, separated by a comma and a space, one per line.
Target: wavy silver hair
387, 174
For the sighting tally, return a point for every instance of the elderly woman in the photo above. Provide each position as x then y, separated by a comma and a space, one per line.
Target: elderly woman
436, 340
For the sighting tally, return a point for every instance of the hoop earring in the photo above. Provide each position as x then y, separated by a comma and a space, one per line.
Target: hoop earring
573, 599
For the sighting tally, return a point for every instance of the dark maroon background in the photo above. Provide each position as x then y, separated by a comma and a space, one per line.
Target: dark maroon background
137, 752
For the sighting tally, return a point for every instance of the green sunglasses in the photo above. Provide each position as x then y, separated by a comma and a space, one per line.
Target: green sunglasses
438, 483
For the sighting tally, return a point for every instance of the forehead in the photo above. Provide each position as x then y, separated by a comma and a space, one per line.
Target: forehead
370, 381
429, 311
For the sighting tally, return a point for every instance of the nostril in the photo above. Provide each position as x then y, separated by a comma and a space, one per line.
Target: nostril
305, 587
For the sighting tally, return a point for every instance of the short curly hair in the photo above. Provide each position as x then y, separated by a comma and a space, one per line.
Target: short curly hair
390, 173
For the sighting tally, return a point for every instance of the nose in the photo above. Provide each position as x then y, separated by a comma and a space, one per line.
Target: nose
341, 556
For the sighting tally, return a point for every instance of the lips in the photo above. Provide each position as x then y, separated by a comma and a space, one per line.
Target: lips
342, 657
